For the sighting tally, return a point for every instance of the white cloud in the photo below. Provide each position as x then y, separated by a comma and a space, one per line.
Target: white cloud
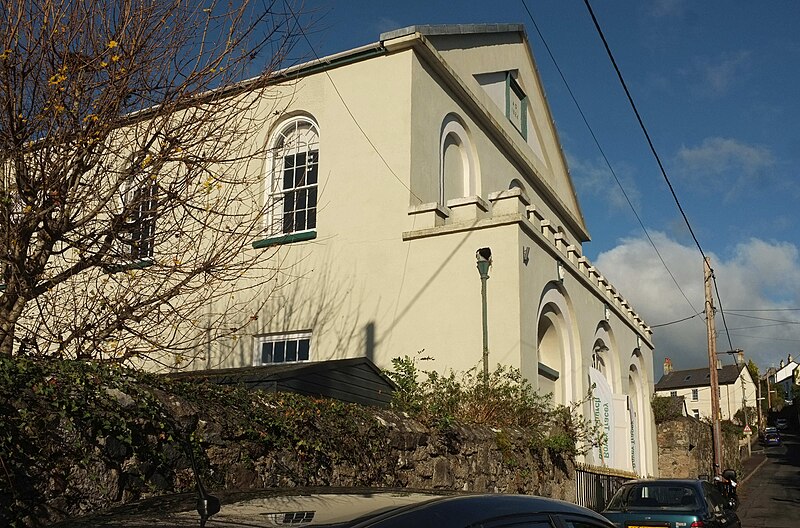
667, 8
594, 178
725, 165
757, 275
718, 155
719, 76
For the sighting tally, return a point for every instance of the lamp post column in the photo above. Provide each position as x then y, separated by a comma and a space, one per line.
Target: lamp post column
484, 260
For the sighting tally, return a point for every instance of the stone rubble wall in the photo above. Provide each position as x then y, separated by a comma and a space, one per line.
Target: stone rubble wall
471, 459
388, 450
685, 449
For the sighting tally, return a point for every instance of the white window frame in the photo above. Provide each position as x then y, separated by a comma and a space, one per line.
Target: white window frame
285, 339
277, 193
695, 394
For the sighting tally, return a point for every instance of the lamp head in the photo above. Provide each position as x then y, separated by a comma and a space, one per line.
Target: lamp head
484, 259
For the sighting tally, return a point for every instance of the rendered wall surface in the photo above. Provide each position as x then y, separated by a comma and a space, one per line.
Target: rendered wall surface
391, 272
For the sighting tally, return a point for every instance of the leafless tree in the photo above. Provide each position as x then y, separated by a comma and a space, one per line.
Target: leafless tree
130, 162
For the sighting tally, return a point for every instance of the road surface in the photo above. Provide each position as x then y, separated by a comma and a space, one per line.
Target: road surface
770, 498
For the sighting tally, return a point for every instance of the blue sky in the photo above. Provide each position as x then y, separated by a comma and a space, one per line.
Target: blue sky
716, 83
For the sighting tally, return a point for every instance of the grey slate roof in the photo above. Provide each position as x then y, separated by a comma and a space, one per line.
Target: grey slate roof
684, 379
452, 29
354, 380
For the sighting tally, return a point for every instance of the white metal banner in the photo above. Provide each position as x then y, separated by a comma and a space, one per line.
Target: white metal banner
634, 429
603, 414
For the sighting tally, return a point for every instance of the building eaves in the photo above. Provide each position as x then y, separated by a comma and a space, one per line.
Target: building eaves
785, 372
452, 29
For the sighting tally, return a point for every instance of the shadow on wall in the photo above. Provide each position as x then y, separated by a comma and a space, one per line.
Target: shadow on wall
318, 301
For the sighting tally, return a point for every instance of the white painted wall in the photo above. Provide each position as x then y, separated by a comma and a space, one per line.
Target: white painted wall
385, 277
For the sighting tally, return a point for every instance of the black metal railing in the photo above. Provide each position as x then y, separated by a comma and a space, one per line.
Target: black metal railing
595, 485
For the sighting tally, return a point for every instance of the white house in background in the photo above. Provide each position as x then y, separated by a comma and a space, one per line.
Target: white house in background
787, 376
391, 165
737, 389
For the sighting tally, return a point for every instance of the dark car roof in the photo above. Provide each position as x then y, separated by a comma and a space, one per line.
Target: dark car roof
664, 481
335, 506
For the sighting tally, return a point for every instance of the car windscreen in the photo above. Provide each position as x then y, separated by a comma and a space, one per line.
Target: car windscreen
655, 496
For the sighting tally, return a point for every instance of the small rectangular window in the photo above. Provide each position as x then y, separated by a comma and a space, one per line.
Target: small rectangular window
696, 413
674, 394
282, 348
516, 105
695, 395
141, 207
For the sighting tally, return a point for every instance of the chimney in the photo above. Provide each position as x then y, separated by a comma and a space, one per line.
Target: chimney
667, 366
740, 361
781, 364
789, 360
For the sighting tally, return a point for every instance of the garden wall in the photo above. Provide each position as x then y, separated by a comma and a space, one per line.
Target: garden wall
685, 449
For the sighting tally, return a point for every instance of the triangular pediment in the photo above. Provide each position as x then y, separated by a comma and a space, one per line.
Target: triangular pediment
496, 63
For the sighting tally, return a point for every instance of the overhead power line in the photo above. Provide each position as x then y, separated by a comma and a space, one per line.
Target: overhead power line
677, 321
605, 158
657, 158
765, 310
784, 321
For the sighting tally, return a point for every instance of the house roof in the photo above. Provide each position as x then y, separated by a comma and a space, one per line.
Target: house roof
684, 379
785, 371
355, 380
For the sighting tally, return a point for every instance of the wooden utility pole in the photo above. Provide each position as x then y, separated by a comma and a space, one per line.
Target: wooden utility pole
712, 370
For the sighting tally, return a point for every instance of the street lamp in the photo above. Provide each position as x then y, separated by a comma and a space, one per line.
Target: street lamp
484, 259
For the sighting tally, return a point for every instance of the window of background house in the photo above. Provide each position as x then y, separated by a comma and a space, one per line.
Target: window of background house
294, 176
694, 394
696, 413
283, 348
674, 394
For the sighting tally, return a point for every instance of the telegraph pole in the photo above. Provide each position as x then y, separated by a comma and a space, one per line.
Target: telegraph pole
716, 430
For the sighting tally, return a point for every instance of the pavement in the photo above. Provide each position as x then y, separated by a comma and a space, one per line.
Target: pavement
751, 465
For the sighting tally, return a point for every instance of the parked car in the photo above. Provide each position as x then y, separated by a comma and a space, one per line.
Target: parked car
782, 424
771, 439
362, 508
670, 502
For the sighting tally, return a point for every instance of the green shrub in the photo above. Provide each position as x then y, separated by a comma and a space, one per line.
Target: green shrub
504, 399
666, 408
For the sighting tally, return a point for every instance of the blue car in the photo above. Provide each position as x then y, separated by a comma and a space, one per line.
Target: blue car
669, 503
772, 439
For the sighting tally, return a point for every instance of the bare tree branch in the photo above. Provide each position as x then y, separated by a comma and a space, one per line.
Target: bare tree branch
131, 171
